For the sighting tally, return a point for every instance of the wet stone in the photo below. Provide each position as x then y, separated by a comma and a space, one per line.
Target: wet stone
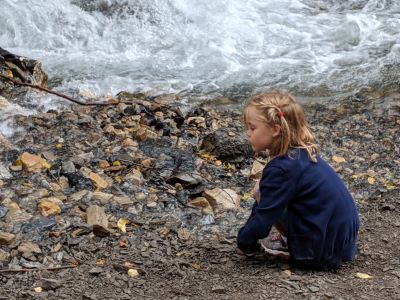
218, 289
96, 271
3, 211
68, 167
6, 238
4, 255
39, 223
50, 284
78, 196
186, 179
16, 216
4, 173
313, 288
79, 181
29, 247
98, 219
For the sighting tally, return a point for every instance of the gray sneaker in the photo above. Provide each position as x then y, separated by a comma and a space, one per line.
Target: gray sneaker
276, 245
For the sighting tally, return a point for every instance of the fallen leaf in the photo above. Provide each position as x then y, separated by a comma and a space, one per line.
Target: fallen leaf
218, 163
38, 289
122, 224
371, 180
184, 234
163, 232
338, 159
116, 163
206, 156
196, 266
247, 197
152, 189
133, 273
118, 179
390, 186
48, 208
74, 262
122, 244
57, 247
101, 262
288, 273
363, 276
228, 167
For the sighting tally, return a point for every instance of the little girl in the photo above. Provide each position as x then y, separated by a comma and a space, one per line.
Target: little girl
299, 192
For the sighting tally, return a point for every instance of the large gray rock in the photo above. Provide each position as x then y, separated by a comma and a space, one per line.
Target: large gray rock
22, 68
227, 146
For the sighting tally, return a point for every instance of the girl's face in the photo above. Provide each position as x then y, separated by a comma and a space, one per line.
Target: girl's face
260, 135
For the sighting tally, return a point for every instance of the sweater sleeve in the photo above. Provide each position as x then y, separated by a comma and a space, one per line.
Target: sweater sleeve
276, 190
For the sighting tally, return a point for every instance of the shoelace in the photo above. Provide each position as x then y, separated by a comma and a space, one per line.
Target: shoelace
278, 237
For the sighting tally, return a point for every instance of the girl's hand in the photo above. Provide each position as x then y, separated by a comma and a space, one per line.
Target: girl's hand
256, 191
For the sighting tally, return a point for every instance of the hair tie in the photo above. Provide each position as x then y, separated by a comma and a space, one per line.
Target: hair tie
280, 114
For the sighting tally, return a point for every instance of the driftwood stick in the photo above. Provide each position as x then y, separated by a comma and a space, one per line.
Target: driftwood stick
36, 269
61, 95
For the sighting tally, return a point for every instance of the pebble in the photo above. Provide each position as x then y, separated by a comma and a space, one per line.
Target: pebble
3, 211
313, 288
218, 289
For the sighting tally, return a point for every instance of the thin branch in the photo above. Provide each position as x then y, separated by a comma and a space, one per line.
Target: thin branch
16, 82
36, 269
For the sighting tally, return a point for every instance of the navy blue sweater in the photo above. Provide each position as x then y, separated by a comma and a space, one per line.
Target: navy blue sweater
322, 220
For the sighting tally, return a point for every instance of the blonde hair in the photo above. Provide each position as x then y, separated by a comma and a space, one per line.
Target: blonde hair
281, 108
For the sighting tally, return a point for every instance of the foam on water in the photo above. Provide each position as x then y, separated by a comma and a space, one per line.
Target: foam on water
161, 46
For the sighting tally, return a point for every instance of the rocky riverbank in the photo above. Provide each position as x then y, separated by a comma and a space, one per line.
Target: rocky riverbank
143, 199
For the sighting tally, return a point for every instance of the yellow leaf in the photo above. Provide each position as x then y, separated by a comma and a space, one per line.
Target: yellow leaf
48, 208
122, 223
18, 162
390, 186
196, 266
247, 196
371, 180
116, 163
206, 156
363, 276
184, 234
59, 146
101, 262
118, 179
227, 167
152, 190
338, 159
163, 232
9, 73
133, 273
38, 289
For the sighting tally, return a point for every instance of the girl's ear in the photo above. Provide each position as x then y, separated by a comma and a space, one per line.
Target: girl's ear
276, 130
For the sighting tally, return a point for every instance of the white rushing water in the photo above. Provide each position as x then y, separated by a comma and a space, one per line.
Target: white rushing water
222, 46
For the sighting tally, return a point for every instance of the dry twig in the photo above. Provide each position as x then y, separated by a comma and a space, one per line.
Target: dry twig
36, 269
16, 82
